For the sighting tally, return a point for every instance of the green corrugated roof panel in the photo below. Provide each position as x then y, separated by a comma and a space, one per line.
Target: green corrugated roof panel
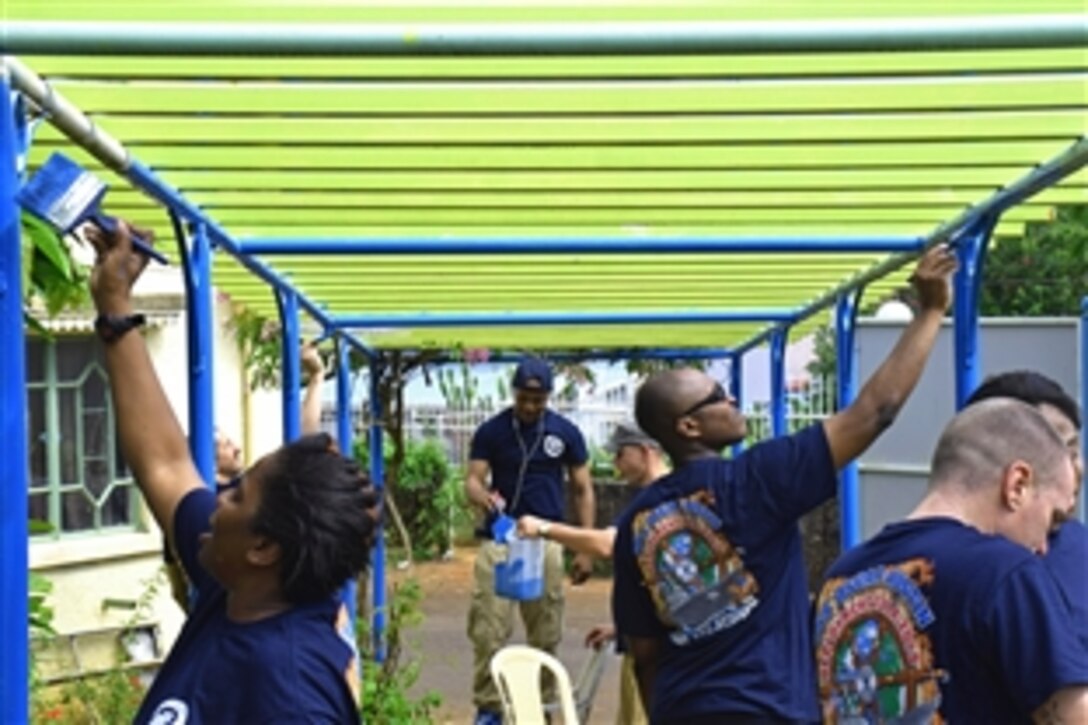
792, 144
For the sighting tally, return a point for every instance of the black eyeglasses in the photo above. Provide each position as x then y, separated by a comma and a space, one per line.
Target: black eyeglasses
717, 395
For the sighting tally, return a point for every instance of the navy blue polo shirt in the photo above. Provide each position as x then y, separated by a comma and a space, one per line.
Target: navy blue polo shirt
538, 453
1067, 559
931, 616
290, 668
708, 561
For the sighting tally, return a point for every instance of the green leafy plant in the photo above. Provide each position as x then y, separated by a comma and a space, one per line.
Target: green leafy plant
49, 274
259, 344
429, 495
386, 694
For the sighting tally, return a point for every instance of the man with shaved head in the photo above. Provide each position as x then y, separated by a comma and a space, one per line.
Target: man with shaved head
710, 592
949, 616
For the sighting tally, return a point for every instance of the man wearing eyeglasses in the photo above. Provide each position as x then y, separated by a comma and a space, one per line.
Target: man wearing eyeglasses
710, 591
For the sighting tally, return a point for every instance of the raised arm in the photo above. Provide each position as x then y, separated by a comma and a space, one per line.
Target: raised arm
853, 429
311, 404
151, 437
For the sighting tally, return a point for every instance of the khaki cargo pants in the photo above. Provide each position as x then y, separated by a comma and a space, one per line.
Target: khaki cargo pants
631, 712
491, 618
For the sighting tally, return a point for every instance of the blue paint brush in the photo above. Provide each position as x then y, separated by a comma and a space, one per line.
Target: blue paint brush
65, 195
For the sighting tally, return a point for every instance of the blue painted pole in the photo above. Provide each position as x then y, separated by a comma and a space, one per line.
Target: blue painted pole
377, 477
971, 250
736, 389
846, 312
1082, 508
14, 537
292, 409
778, 382
196, 256
344, 435
498, 319
584, 245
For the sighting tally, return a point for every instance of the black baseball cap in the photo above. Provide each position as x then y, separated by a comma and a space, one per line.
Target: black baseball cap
533, 373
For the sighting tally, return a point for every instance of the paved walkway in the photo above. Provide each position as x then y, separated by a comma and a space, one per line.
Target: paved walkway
447, 654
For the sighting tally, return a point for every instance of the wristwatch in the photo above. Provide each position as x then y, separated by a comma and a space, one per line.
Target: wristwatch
544, 528
111, 328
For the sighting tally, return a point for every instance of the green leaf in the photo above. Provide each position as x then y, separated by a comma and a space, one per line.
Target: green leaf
37, 526
49, 243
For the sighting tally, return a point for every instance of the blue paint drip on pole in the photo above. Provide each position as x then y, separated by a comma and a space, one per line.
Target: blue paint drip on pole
377, 477
846, 312
14, 563
971, 250
778, 382
347, 447
288, 305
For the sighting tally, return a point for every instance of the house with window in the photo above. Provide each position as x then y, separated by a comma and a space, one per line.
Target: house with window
96, 542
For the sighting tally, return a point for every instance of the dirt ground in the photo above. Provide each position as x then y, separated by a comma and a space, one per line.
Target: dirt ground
446, 654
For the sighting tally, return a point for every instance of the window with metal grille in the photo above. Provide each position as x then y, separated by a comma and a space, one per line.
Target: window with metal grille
78, 480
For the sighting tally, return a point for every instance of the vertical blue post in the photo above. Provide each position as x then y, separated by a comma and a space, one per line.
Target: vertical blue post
778, 381
971, 250
344, 436
377, 477
736, 389
292, 423
196, 259
846, 313
1082, 508
14, 561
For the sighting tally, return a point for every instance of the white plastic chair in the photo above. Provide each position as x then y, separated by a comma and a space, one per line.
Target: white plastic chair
516, 670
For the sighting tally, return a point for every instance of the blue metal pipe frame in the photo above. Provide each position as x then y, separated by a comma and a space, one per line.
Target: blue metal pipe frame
377, 478
568, 245
290, 375
196, 254
971, 251
652, 353
778, 410
14, 533
846, 313
13, 578
345, 437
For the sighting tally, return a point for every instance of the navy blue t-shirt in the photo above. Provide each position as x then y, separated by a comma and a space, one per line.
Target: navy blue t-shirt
708, 561
1067, 560
933, 615
551, 445
290, 668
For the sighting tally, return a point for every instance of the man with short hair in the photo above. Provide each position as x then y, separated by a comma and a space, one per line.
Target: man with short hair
710, 589
525, 451
949, 616
639, 460
1067, 550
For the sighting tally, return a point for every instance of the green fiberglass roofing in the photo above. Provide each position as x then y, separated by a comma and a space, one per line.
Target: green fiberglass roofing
835, 145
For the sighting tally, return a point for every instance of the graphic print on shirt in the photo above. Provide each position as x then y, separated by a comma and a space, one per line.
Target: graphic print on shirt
874, 660
696, 577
